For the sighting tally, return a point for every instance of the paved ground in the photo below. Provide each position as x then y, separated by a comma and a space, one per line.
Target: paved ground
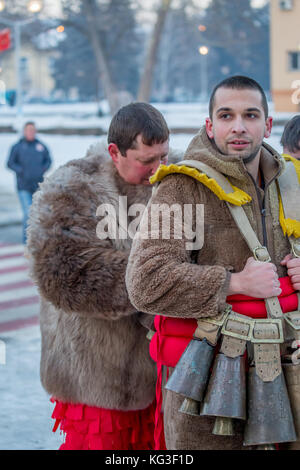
25, 409
10, 210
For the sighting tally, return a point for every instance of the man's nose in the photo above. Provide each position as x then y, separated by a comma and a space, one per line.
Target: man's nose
154, 168
239, 126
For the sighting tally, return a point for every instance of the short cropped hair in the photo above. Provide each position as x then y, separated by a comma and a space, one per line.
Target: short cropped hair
29, 123
291, 135
135, 119
239, 82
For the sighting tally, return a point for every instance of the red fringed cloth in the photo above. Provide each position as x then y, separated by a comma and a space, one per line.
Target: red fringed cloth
174, 334
92, 428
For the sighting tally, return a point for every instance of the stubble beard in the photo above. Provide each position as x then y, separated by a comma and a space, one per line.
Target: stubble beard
247, 158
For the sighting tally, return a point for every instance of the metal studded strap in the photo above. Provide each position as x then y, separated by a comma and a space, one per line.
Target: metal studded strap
236, 331
267, 337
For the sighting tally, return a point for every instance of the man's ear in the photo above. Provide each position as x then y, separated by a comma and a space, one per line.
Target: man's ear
209, 126
269, 125
114, 152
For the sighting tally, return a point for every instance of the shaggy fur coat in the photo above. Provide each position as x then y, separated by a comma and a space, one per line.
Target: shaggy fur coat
161, 277
94, 348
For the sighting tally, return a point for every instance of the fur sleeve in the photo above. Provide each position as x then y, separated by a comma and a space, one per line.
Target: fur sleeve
73, 269
160, 277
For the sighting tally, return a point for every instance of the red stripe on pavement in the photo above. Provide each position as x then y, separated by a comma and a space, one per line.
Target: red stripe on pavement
13, 269
11, 255
17, 324
19, 302
16, 285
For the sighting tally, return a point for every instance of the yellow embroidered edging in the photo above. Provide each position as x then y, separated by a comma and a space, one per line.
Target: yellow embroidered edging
237, 197
295, 162
289, 226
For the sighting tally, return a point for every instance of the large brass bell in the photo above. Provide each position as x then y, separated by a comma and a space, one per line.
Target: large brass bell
190, 375
190, 407
270, 417
226, 393
223, 426
292, 377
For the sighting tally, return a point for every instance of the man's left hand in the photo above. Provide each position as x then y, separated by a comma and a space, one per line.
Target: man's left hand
293, 270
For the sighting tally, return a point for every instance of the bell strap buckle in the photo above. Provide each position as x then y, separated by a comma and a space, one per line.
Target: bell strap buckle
267, 322
261, 253
247, 322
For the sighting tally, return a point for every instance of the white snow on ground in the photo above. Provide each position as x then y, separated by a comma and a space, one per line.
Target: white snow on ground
64, 148
25, 409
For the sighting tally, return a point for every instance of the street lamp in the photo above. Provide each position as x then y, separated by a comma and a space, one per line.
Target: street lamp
202, 28
33, 6
203, 51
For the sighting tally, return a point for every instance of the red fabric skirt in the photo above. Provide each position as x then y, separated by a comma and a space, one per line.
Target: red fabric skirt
91, 428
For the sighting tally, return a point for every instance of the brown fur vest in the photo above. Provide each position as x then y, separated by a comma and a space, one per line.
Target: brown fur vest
94, 349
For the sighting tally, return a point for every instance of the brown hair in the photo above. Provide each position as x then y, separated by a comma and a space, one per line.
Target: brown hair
135, 119
291, 135
239, 82
29, 123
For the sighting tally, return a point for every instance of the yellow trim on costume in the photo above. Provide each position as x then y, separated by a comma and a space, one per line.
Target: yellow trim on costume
290, 227
237, 197
295, 162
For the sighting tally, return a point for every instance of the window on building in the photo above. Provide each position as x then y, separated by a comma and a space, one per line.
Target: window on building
286, 5
24, 64
294, 60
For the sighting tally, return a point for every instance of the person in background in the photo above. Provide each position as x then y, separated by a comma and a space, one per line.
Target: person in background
290, 139
29, 159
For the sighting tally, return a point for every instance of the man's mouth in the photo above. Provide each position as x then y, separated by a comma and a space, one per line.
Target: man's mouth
239, 144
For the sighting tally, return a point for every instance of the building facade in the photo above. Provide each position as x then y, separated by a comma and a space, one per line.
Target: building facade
37, 81
285, 54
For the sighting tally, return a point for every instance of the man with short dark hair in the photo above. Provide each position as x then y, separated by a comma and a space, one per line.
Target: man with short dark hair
180, 284
290, 139
95, 361
29, 159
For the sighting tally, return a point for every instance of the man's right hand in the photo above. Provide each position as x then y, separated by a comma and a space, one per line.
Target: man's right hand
257, 279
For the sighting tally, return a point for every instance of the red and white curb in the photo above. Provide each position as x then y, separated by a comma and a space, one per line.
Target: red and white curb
18, 295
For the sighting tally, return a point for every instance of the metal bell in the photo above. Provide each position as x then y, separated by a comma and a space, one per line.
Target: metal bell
270, 417
190, 407
292, 377
190, 375
223, 427
226, 392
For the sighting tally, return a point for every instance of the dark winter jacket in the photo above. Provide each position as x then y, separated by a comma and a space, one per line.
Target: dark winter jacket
30, 160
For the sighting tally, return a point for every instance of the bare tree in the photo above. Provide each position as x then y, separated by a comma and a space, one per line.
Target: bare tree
101, 60
87, 18
148, 72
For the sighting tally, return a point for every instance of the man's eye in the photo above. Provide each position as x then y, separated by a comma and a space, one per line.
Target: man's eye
225, 116
251, 115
